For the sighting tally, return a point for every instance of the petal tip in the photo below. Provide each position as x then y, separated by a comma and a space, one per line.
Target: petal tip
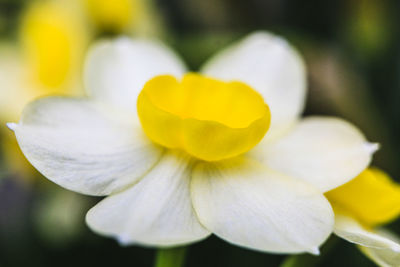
396, 249
12, 126
372, 147
315, 251
123, 240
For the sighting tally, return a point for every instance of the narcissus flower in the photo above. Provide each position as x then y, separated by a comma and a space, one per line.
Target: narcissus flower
361, 206
183, 155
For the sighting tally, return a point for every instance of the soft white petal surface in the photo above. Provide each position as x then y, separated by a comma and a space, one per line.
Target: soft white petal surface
157, 211
324, 151
246, 204
77, 145
272, 67
116, 71
350, 229
384, 257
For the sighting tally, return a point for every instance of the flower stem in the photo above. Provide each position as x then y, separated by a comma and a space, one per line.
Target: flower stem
170, 257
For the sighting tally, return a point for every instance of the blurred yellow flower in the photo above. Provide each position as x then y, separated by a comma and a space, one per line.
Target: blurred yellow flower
53, 39
361, 205
47, 60
115, 15
53, 36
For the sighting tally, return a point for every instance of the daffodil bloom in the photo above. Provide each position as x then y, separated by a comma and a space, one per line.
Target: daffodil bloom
361, 206
183, 155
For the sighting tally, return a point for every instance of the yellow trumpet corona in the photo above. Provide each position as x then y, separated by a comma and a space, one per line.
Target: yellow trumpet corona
209, 119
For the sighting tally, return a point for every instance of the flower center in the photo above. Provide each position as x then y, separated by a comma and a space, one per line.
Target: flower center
209, 119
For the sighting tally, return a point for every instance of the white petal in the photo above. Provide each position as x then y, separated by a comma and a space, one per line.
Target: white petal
157, 211
326, 152
116, 71
272, 67
246, 204
384, 257
78, 146
350, 229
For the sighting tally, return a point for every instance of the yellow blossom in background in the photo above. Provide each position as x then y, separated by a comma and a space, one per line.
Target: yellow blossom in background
53, 39
372, 197
53, 36
138, 17
361, 206
47, 60
115, 16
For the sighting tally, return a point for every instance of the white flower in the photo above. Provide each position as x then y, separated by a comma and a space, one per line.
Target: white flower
269, 199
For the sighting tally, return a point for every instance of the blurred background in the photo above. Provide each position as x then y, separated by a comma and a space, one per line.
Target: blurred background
351, 48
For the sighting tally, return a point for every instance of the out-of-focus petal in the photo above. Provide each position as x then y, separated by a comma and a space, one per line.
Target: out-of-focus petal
350, 229
384, 257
